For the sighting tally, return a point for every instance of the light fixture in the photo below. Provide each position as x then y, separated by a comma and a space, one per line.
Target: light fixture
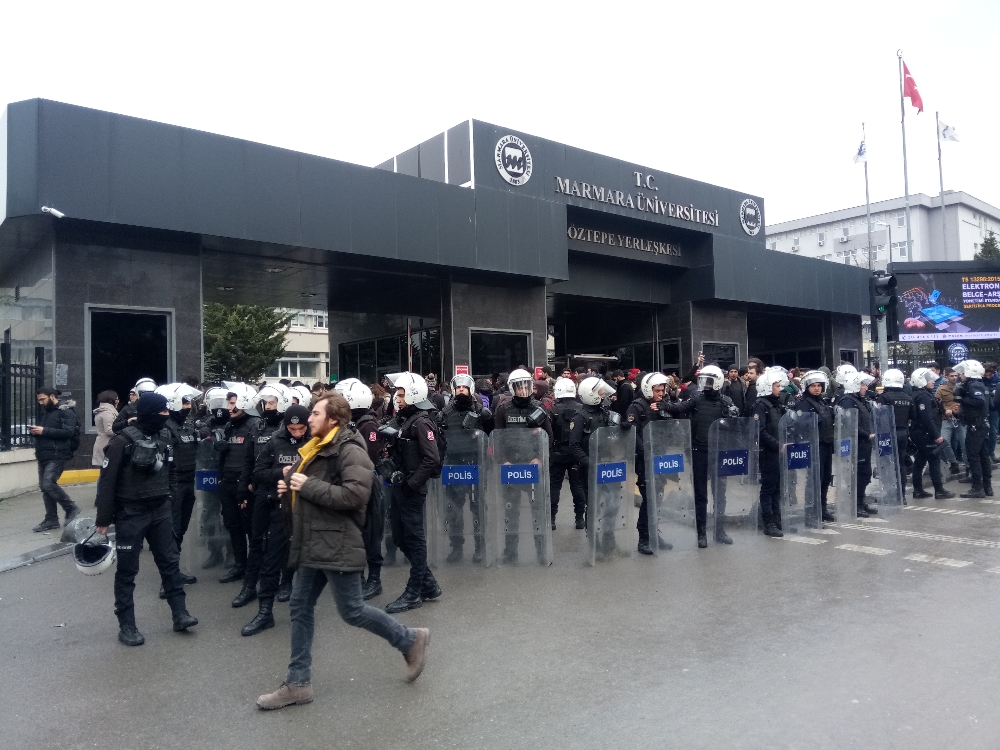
49, 210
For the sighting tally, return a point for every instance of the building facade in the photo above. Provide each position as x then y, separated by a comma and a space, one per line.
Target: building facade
307, 350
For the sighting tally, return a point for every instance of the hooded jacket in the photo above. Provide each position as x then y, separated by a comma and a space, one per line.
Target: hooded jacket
104, 417
59, 427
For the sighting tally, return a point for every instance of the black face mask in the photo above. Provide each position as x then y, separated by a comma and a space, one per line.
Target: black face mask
152, 422
185, 412
221, 416
271, 416
521, 401
463, 401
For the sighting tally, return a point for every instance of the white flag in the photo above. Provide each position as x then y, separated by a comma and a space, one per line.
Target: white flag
947, 132
862, 154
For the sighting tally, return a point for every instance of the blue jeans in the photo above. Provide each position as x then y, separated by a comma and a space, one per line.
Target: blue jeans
953, 433
309, 584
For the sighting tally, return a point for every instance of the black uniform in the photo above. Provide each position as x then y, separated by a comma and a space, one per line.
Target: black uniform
864, 447
588, 419
184, 439
767, 410
517, 412
121, 421
825, 422
257, 522
639, 412
902, 406
232, 493
366, 423
137, 501
464, 413
561, 461
975, 413
925, 429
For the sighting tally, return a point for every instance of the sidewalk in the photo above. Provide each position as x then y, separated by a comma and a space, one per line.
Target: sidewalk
18, 515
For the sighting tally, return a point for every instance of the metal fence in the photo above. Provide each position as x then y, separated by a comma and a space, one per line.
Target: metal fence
18, 408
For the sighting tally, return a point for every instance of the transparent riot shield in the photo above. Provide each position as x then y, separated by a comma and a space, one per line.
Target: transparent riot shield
456, 503
845, 464
610, 491
799, 462
210, 547
732, 472
886, 457
518, 486
668, 485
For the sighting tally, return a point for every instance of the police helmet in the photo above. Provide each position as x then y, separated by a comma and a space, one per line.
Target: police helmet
280, 393
972, 368
815, 376
303, 394
857, 379
893, 378
93, 557
519, 382
177, 393
463, 381
564, 388
711, 377
844, 372
217, 398
414, 388
358, 395
246, 396
593, 390
652, 380
143, 385
922, 377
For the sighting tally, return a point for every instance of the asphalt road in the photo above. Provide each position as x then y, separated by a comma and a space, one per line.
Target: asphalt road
888, 642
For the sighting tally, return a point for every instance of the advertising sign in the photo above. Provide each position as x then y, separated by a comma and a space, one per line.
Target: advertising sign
948, 305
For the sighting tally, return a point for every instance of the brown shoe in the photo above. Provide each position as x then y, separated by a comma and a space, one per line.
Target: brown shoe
286, 695
417, 656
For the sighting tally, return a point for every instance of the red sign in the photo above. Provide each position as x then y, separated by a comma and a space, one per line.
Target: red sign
539, 374
461, 369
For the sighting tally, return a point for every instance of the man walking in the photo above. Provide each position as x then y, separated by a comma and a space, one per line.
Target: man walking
55, 435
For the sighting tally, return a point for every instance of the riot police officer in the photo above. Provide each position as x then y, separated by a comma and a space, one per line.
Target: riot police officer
212, 428
232, 493
814, 385
643, 409
413, 448
855, 389
561, 461
902, 405
925, 432
975, 413
464, 412
363, 420
768, 410
273, 401
134, 494
267, 562
520, 411
128, 412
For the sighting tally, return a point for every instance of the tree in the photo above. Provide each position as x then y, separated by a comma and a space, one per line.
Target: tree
242, 341
990, 249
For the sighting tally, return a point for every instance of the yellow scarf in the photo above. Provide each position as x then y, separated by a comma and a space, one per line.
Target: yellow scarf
308, 453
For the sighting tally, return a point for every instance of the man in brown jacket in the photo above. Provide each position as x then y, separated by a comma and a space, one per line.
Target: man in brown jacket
324, 497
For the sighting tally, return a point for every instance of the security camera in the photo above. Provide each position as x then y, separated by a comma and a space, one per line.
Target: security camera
54, 212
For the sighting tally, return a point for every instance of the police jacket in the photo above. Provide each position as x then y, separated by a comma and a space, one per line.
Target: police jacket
926, 417
415, 450
366, 422
562, 415
702, 409
129, 411
184, 440
824, 414
280, 451
902, 405
767, 410
236, 433
457, 411
587, 419
975, 402
865, 425
257, 439
519, 413
59, 428
122, 481
639, 413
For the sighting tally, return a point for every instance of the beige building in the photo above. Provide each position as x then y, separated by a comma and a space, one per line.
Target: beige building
307, 355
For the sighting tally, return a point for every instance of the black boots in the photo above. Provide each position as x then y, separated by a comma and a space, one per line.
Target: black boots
247, 594
409, 599
233, 575
430, 591
702, 539
919, 494
477, 556
215, 559
455, 555
183, 620
263, 620
285, 587
772, 530
643, 547
581, 523
975, 492
129, 635
721, 536
942, 494
372, 587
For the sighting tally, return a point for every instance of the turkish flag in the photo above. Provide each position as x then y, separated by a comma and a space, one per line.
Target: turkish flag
910, 90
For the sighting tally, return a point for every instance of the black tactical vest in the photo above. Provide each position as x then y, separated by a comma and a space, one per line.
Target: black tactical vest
708, 410
454, 418
774, 414
824, 412
974, 413
286, 453
517, 416
139, 485
562, 416
185, 447
865, 428
262, 436
900, 403
594, 417
236, 436
926, 399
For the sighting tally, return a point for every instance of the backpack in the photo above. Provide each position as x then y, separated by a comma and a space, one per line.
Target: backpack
374, 509
74, 441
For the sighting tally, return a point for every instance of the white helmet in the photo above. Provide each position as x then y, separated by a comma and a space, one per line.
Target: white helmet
653, 379
358, 395
922, 377
177, 393
217, 398
281, 393
144, 385
564, 388
815, 376
856, 380
303, 394
893, 378
414, 388
463, 381
766, 381
711, 377
973, 368
246, 396
92, 557
845, 371
519, 383
594, 390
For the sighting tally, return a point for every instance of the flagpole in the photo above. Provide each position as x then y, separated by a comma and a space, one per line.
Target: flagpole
868, 205
906, 179
944, 235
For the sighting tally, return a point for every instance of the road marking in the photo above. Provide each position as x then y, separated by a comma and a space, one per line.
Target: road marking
952, 511
866, 550
922, 535
822, 531
803, 539
873, 520
993, 570
990, 502
938, 560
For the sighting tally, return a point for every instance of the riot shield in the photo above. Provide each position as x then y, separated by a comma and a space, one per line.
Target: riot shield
610, 492
518, 486
799, 461
889, 489
210, 547
669, 490
845, 464
732, 471
456, 503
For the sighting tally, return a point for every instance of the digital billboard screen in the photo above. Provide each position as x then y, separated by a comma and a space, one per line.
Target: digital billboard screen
948, 305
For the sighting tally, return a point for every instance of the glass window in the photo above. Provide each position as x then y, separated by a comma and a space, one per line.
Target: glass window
722, 354
387, 353
348, 361
366, 361
321, 321
670, 355
497, 352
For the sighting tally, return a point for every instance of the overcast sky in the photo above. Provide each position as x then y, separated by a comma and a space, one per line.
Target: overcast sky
763, 97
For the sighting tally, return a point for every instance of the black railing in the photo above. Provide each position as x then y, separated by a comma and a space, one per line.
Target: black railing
18, 408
